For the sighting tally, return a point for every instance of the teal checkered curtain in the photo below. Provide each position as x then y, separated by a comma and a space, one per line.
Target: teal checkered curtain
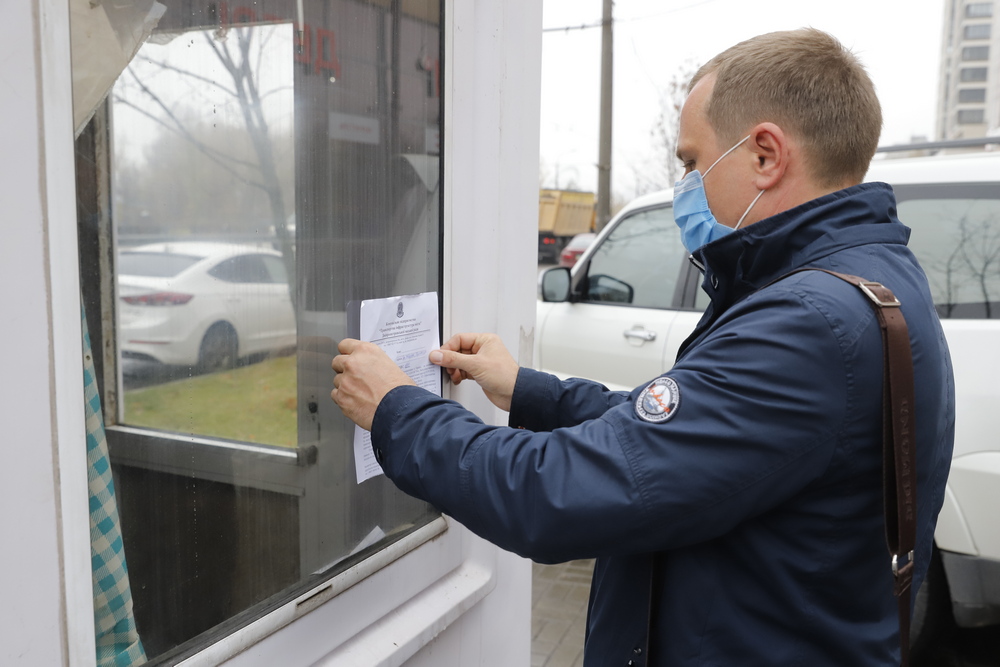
118, 641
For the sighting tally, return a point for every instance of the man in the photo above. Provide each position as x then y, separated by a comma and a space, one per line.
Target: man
734, 505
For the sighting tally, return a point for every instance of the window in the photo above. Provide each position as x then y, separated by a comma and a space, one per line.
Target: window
971, 95
257, 184
977, 31
639, 262
242, 269
972, 74
971, 116
975, 10
970, 53
956, 238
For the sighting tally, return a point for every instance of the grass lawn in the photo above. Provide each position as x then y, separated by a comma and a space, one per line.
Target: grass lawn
255, 403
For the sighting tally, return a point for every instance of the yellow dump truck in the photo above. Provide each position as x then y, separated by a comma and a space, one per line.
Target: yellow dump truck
562, 214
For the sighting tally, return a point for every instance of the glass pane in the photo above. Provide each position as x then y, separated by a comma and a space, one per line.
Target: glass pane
979, 9
971, 116
977, 31
639, 262
976, 53
265, 180
204, 177
971, 95
973, 74
957, 241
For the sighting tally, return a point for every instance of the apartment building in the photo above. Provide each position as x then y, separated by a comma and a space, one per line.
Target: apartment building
969, 95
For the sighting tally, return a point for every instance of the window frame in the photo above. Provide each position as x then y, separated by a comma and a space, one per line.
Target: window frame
969, 29
970, 116
682, 289
970, 78
213, 459
979, 99
978, 53
957, 190
978, 10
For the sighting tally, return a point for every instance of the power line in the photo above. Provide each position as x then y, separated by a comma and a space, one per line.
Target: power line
584, 26
599, 24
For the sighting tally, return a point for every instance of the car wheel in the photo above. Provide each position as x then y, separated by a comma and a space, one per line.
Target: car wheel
219, 348
932, 621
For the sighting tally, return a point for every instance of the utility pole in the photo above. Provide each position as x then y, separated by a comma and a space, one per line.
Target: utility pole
604, 150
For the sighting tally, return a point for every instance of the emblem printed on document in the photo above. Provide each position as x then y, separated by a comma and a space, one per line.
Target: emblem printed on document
399, 309
658, 401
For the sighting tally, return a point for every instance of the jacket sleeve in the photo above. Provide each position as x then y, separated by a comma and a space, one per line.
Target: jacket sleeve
543, 402
762, 404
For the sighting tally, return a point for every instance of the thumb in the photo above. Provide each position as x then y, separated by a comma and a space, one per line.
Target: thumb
450, 359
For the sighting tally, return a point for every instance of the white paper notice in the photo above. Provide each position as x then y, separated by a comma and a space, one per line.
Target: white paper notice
406, 328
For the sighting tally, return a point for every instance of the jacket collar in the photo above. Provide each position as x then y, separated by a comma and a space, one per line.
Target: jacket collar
744, 261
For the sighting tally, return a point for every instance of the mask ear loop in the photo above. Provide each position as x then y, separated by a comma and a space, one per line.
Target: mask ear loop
741, 142
742, 217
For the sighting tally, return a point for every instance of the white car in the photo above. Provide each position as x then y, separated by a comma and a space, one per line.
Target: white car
202, 304
643, 298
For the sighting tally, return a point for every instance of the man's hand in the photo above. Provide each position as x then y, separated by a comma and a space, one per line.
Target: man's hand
365, 374
483, 358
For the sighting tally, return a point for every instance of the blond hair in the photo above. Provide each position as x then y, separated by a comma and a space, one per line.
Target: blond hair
808, 84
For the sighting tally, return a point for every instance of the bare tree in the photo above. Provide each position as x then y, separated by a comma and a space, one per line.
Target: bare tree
241, 60
980, 251
664, 131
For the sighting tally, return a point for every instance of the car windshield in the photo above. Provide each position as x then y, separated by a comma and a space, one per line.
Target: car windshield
154, 264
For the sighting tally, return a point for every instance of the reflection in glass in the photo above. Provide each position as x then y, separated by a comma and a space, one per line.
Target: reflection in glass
555, 284
957, 240
643, 254
266, 178
204, 189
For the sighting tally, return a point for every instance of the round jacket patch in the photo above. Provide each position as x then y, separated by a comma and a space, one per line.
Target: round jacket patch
658, 402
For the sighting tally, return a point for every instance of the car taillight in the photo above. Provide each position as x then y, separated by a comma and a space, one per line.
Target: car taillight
548, 241
158, 299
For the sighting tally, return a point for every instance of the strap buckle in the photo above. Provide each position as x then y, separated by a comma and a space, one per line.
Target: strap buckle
896, 569
866, 288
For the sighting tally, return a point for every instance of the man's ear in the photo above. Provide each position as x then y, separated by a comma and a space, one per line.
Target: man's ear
770, 146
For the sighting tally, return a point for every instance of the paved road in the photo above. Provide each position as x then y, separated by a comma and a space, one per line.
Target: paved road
559, 613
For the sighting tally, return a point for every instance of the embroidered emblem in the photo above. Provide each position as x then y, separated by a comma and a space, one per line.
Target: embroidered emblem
658, 402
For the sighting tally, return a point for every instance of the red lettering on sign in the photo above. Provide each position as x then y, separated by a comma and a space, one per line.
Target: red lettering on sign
323, 58
326, 53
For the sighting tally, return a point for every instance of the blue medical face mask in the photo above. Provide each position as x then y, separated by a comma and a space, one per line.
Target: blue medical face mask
691, 212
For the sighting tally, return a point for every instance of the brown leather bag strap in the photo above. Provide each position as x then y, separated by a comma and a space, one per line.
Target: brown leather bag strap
898, 457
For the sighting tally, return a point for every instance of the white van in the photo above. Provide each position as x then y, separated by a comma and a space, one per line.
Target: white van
952, 204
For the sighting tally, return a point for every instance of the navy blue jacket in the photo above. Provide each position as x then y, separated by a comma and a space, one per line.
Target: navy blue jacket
759, 499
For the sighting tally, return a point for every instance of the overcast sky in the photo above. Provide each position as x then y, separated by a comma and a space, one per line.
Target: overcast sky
899, 42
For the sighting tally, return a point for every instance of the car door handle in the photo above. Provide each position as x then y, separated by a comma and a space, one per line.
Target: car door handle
640, 333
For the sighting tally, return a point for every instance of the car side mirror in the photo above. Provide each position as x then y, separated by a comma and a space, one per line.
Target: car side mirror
606, 288
554, 285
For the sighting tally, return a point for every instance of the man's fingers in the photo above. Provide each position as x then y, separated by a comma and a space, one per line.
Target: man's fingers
339, 363
467, 343
348, 345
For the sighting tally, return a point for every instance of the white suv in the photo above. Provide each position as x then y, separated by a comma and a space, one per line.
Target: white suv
634, 297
